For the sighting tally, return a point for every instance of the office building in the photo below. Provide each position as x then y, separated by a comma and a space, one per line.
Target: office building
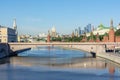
79, 31
89, 28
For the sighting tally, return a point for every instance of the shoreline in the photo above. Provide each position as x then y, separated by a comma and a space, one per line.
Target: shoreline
107, 56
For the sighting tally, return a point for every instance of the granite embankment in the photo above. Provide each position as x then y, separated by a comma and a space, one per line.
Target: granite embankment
6, 50
115, 57
110, 56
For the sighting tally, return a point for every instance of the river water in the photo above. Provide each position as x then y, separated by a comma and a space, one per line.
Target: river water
55, 63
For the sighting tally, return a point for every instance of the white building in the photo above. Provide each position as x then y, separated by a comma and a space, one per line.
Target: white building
118, 26
101, 30
43, 35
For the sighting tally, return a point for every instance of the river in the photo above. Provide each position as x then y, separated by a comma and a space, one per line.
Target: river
55, 63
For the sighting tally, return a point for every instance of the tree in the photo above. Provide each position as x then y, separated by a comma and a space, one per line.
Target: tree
101, 37
81, 37
91, 37
106, 34
117, 33
56, 39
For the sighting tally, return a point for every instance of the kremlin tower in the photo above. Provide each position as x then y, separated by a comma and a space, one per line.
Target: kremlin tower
48, 37
111, 33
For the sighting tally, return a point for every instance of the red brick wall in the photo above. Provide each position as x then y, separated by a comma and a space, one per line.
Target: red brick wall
48, 38
111, 35
91, 40
105, 39
97, 40
84, 40
117, 38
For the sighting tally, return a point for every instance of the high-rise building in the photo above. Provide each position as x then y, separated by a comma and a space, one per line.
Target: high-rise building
82, 31
85, 29
76, 32
79, 31
89, 28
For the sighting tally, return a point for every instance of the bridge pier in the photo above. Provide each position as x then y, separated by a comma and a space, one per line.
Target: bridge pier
93, 54
4, 50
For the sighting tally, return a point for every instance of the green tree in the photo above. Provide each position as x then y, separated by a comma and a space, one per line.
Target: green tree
101, 37
117, 33
81, 37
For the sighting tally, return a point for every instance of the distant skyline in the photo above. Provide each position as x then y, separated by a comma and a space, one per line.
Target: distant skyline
37, 16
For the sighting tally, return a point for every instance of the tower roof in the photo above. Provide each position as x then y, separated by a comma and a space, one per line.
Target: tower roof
111, 24
14, 24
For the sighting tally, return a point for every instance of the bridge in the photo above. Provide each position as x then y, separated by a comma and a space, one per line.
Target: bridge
96, 49
82, 46
87, 46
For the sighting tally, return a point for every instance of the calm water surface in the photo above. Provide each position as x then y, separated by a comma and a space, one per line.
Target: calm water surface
53, 63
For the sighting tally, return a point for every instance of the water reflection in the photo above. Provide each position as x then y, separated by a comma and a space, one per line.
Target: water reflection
60, 62
111, 70
96, 66
81, 63
60, 58
68, 64
4, 60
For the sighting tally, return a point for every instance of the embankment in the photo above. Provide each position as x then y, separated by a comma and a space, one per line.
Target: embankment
110, 56
6, 50
102, 54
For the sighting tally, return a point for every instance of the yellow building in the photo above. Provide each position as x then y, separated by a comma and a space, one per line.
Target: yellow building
8, 34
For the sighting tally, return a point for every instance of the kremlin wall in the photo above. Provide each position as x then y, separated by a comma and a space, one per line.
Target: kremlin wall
101, 34
110, 37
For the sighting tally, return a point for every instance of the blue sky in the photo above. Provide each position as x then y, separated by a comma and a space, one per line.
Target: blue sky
36, 16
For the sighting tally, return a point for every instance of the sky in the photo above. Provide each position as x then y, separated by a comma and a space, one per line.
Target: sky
39, 16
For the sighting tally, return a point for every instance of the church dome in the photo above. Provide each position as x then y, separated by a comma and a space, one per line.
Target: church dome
101, 27
53, 29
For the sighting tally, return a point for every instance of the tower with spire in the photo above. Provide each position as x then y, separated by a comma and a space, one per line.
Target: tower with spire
14, 24
111, 32
111, 24
15, 27
48, 36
